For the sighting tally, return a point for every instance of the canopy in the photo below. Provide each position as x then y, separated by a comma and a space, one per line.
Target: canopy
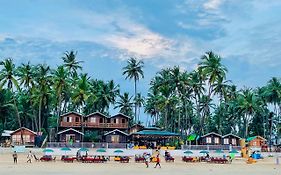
101, 150
65, 149
188, 152
204, 152
83, 149
234, 151
219, 151
48, 150
118, 151
250, 138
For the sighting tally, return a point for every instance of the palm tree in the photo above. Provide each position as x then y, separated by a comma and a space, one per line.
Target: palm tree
212, 69
139, 101
133, 70
8, 78
61, 84
81, 92
247, 105
125, 104
26, 74
71, 63
43, 92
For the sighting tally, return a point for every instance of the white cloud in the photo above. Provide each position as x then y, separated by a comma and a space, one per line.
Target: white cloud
212, 4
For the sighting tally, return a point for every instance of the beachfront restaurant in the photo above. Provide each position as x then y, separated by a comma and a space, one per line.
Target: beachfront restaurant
152, 137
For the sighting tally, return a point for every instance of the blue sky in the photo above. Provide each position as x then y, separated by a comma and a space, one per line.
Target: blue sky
161, 32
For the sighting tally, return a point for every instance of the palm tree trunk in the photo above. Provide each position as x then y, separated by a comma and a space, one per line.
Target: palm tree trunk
135, 99
19, 120
58, 113
39, 115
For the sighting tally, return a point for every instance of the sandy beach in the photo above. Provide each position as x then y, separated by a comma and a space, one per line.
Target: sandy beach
238, 167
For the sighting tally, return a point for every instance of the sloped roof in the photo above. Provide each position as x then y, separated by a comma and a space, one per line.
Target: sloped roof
123, 115
6, 133
97, 113
70, 129
72, 112
211, 134
155, 132
23, 128
230, 134
116, 130
254, 137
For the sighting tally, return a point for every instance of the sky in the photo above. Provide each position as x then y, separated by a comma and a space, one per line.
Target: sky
163, 33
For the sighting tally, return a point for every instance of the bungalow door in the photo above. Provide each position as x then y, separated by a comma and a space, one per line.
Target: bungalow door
115, 139
70, 138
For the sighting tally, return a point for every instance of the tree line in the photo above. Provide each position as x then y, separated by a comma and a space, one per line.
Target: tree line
199, 101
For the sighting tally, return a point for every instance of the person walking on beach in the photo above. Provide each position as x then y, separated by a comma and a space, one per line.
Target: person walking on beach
29, 157
157, 161
146, 159
15, 156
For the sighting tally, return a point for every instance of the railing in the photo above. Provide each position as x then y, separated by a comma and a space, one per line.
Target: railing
70, 124
210, 147
86, 145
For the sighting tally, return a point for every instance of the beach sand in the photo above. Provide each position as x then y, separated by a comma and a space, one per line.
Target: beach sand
238, 167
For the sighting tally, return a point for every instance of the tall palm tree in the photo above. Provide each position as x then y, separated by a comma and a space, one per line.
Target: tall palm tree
139, 101
43, 92
26, 74
212, 69
71, 63
81, 92
133, 70
8, 78
61, 84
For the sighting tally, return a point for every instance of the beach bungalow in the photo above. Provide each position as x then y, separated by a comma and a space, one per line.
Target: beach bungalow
27, 134
118, 121
210, 139
135, 128
96, 120
71, 119
256, 141
115, 136
231, 139
70, 135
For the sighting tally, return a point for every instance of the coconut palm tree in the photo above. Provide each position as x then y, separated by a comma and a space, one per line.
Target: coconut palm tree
125, 104
133, 70
81, 92
8, 79
71, 63
139, 101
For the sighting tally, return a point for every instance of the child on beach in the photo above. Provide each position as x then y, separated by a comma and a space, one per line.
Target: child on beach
29, 157
146, 159
15, 156
157, 161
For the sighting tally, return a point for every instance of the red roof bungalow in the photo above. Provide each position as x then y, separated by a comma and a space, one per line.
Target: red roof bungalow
27, 134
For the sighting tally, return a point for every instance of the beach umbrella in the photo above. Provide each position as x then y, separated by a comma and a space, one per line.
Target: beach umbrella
118, 151
219, 151
84, 149
204, 152
48, 150
101, 150
65, 149
188, 152
233, 151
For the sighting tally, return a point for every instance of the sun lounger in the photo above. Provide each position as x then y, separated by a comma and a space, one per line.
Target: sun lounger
124, 160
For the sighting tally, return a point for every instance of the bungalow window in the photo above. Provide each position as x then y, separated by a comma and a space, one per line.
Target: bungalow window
114, 121
208, 140
76, 119
101, 120
93, 119
123, 121
233, 142
217, 140
225, 141
68, 119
